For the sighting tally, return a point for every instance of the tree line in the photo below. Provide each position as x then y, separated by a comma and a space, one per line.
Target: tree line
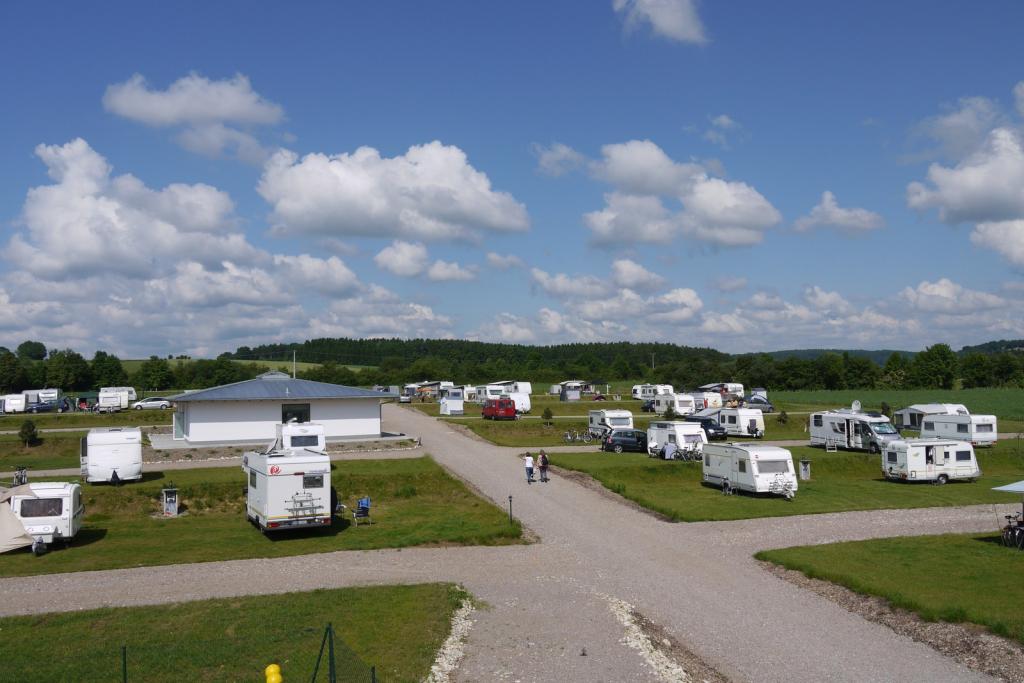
397, 361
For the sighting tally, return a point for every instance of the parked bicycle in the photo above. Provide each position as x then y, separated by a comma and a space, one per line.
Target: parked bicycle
572, 435
1013, 532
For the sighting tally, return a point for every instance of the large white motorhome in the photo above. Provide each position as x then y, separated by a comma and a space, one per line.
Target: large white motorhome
687, 437
933, 460
979, 430
452, 402
706, 399
13, 403
749, 467
602, 421
681, 404
131, 391
849, 428
288, 488
650, 391
738, 421
49, 511
111, 454
113, 399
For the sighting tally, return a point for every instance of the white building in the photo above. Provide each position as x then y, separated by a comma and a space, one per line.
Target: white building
249, 411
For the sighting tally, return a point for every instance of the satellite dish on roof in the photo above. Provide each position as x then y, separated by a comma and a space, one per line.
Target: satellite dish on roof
855, 407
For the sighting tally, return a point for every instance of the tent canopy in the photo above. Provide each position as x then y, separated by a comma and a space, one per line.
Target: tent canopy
1017, 487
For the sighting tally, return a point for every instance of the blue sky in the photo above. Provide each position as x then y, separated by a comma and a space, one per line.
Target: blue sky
748, 176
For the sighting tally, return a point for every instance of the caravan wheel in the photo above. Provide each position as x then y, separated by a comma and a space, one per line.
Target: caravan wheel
941, 479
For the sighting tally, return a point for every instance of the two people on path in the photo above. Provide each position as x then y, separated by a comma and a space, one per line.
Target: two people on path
542, 465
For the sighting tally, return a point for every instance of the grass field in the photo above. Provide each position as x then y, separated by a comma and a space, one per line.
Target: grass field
415, 502
54, 451
1003, 403
840, 482
952, 577
397, 629
86, 420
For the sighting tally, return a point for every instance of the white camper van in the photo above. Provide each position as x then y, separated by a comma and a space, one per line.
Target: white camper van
453, 402
603, 421
113, 399
301, 436
288, 489
52, 512
681, 404
649, 391
741, 421
112, 454
934, 460
849, 428
13, 403
979, 430
706, 399
749, 467
687, 439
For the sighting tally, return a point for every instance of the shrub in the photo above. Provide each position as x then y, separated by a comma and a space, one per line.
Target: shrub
547, 415
28, 434
783, 418
670, 413
886, 410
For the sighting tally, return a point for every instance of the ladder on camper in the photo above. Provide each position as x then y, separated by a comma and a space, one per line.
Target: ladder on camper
831, 446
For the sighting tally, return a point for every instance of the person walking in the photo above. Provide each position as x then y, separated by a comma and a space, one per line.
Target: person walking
542, 465
528, 462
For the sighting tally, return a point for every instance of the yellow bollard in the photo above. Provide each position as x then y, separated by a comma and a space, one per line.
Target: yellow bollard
273, 673
274, 678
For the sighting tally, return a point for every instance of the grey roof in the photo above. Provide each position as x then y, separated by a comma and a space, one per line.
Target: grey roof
272, 386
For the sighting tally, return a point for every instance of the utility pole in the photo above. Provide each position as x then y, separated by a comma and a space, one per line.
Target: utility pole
293, 363
652, 362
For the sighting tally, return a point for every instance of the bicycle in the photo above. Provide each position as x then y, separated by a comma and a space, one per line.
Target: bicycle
1013, 532
572, 435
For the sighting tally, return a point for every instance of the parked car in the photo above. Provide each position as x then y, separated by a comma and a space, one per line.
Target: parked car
712, 429
647, 406
42, 407
499, 409
152, 403
619, 440
761, 403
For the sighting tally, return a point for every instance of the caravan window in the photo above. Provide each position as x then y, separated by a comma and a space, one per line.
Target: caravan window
312, 481
618, 421
707, 460
742, 465
41, 507
671, 438
773, 466
817, 420
252, 479
890, 456
929, 425
731, 419
963, 456
983, 428
294, 411
962, 429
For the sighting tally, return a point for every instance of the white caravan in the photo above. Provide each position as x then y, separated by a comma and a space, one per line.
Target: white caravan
849, 428
912, 415
636, 390
980, 430
50, 511
706, 399
681, 404
688, 438
131, 391
514, 387
13, 403
522, 402
41, 395
111, 454
408, 393
603, 421
453, 402
649, 391
749, 467
730, 388
738, 421
111, 400
288, 489
934, 460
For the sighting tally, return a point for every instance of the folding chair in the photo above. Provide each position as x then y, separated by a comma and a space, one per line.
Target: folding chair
362, 511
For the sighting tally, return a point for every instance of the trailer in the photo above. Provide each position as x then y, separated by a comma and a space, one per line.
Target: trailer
755, 468
979, 430
112, 400
111, 454
651, 391
522, 401
724, 388
132, 396
13, 403
738, 421
706, 399
288, 488
681, 404
50, 512
932, 460
851, 429
911, 416
603, 421
453, 402
687, 439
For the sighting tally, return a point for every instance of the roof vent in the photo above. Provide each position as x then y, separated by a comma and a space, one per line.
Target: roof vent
275, 374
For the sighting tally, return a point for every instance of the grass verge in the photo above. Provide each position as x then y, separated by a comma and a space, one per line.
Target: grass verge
952, 577
85, 420
840, 482
54, 450
1003, 403
397, 629
415, 502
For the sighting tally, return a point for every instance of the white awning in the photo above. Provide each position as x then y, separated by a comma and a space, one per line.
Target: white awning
1017, 487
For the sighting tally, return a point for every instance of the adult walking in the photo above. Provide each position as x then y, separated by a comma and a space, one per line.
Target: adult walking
528, 462
542, 465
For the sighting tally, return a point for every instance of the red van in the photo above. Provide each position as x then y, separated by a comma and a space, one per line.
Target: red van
499, 409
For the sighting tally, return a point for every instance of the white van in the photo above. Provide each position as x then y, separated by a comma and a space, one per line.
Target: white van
934, 460
52, 512
687, 438
603, 421
111, 454
452, 402
681, 404
979, 430
742, 421
288, 489
849, 428
13, 403
749, 467
706, 399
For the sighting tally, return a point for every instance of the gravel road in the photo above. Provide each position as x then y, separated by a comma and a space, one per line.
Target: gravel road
550, 601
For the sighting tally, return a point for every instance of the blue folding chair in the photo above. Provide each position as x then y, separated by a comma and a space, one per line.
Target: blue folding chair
362, 511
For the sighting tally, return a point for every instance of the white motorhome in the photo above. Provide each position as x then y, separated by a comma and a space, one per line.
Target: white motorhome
131, 391
687, 437
636, 391
738, 421
112, 400
13, 403
453, 402
934, 460
602, 421
749, 467
681, 404
979, 430
301, 436
50, 511
706, 399
515, 387
649, 391
111, 454
849, 428
288, 489
724, 388
912, 415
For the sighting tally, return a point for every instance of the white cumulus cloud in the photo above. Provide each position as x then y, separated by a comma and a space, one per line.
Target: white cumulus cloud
565, 286
673, 19
946, 296
1005, 237
448, 271
405, 259
828, 214
504, 261
642, 167
630, 274
557, 159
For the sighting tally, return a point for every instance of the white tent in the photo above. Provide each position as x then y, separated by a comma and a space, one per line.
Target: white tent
1016, 487
12, 533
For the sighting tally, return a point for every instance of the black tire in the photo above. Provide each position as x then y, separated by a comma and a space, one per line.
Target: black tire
941, 480
618, 448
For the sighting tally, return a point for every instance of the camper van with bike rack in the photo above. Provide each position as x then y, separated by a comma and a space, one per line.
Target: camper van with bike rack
851, 429
687, 439
603, 421
754, 468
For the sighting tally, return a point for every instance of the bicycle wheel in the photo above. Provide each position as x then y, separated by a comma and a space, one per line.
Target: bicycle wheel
587, 437
1019, 533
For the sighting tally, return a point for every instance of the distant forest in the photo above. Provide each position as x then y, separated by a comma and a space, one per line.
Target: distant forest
367, 362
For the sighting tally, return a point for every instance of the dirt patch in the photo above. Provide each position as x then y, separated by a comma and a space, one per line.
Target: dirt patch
971, 645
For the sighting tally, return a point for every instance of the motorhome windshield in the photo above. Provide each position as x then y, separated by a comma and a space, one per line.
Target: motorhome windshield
883, 428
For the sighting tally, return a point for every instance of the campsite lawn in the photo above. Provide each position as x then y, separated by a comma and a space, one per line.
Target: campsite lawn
85, 420
415, 502
840, 482
1003, 403
985, 574
54, 450
397, 629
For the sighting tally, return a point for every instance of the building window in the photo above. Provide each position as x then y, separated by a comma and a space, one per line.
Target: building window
294, 411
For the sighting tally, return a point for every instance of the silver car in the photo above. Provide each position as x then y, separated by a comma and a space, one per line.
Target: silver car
152, 403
